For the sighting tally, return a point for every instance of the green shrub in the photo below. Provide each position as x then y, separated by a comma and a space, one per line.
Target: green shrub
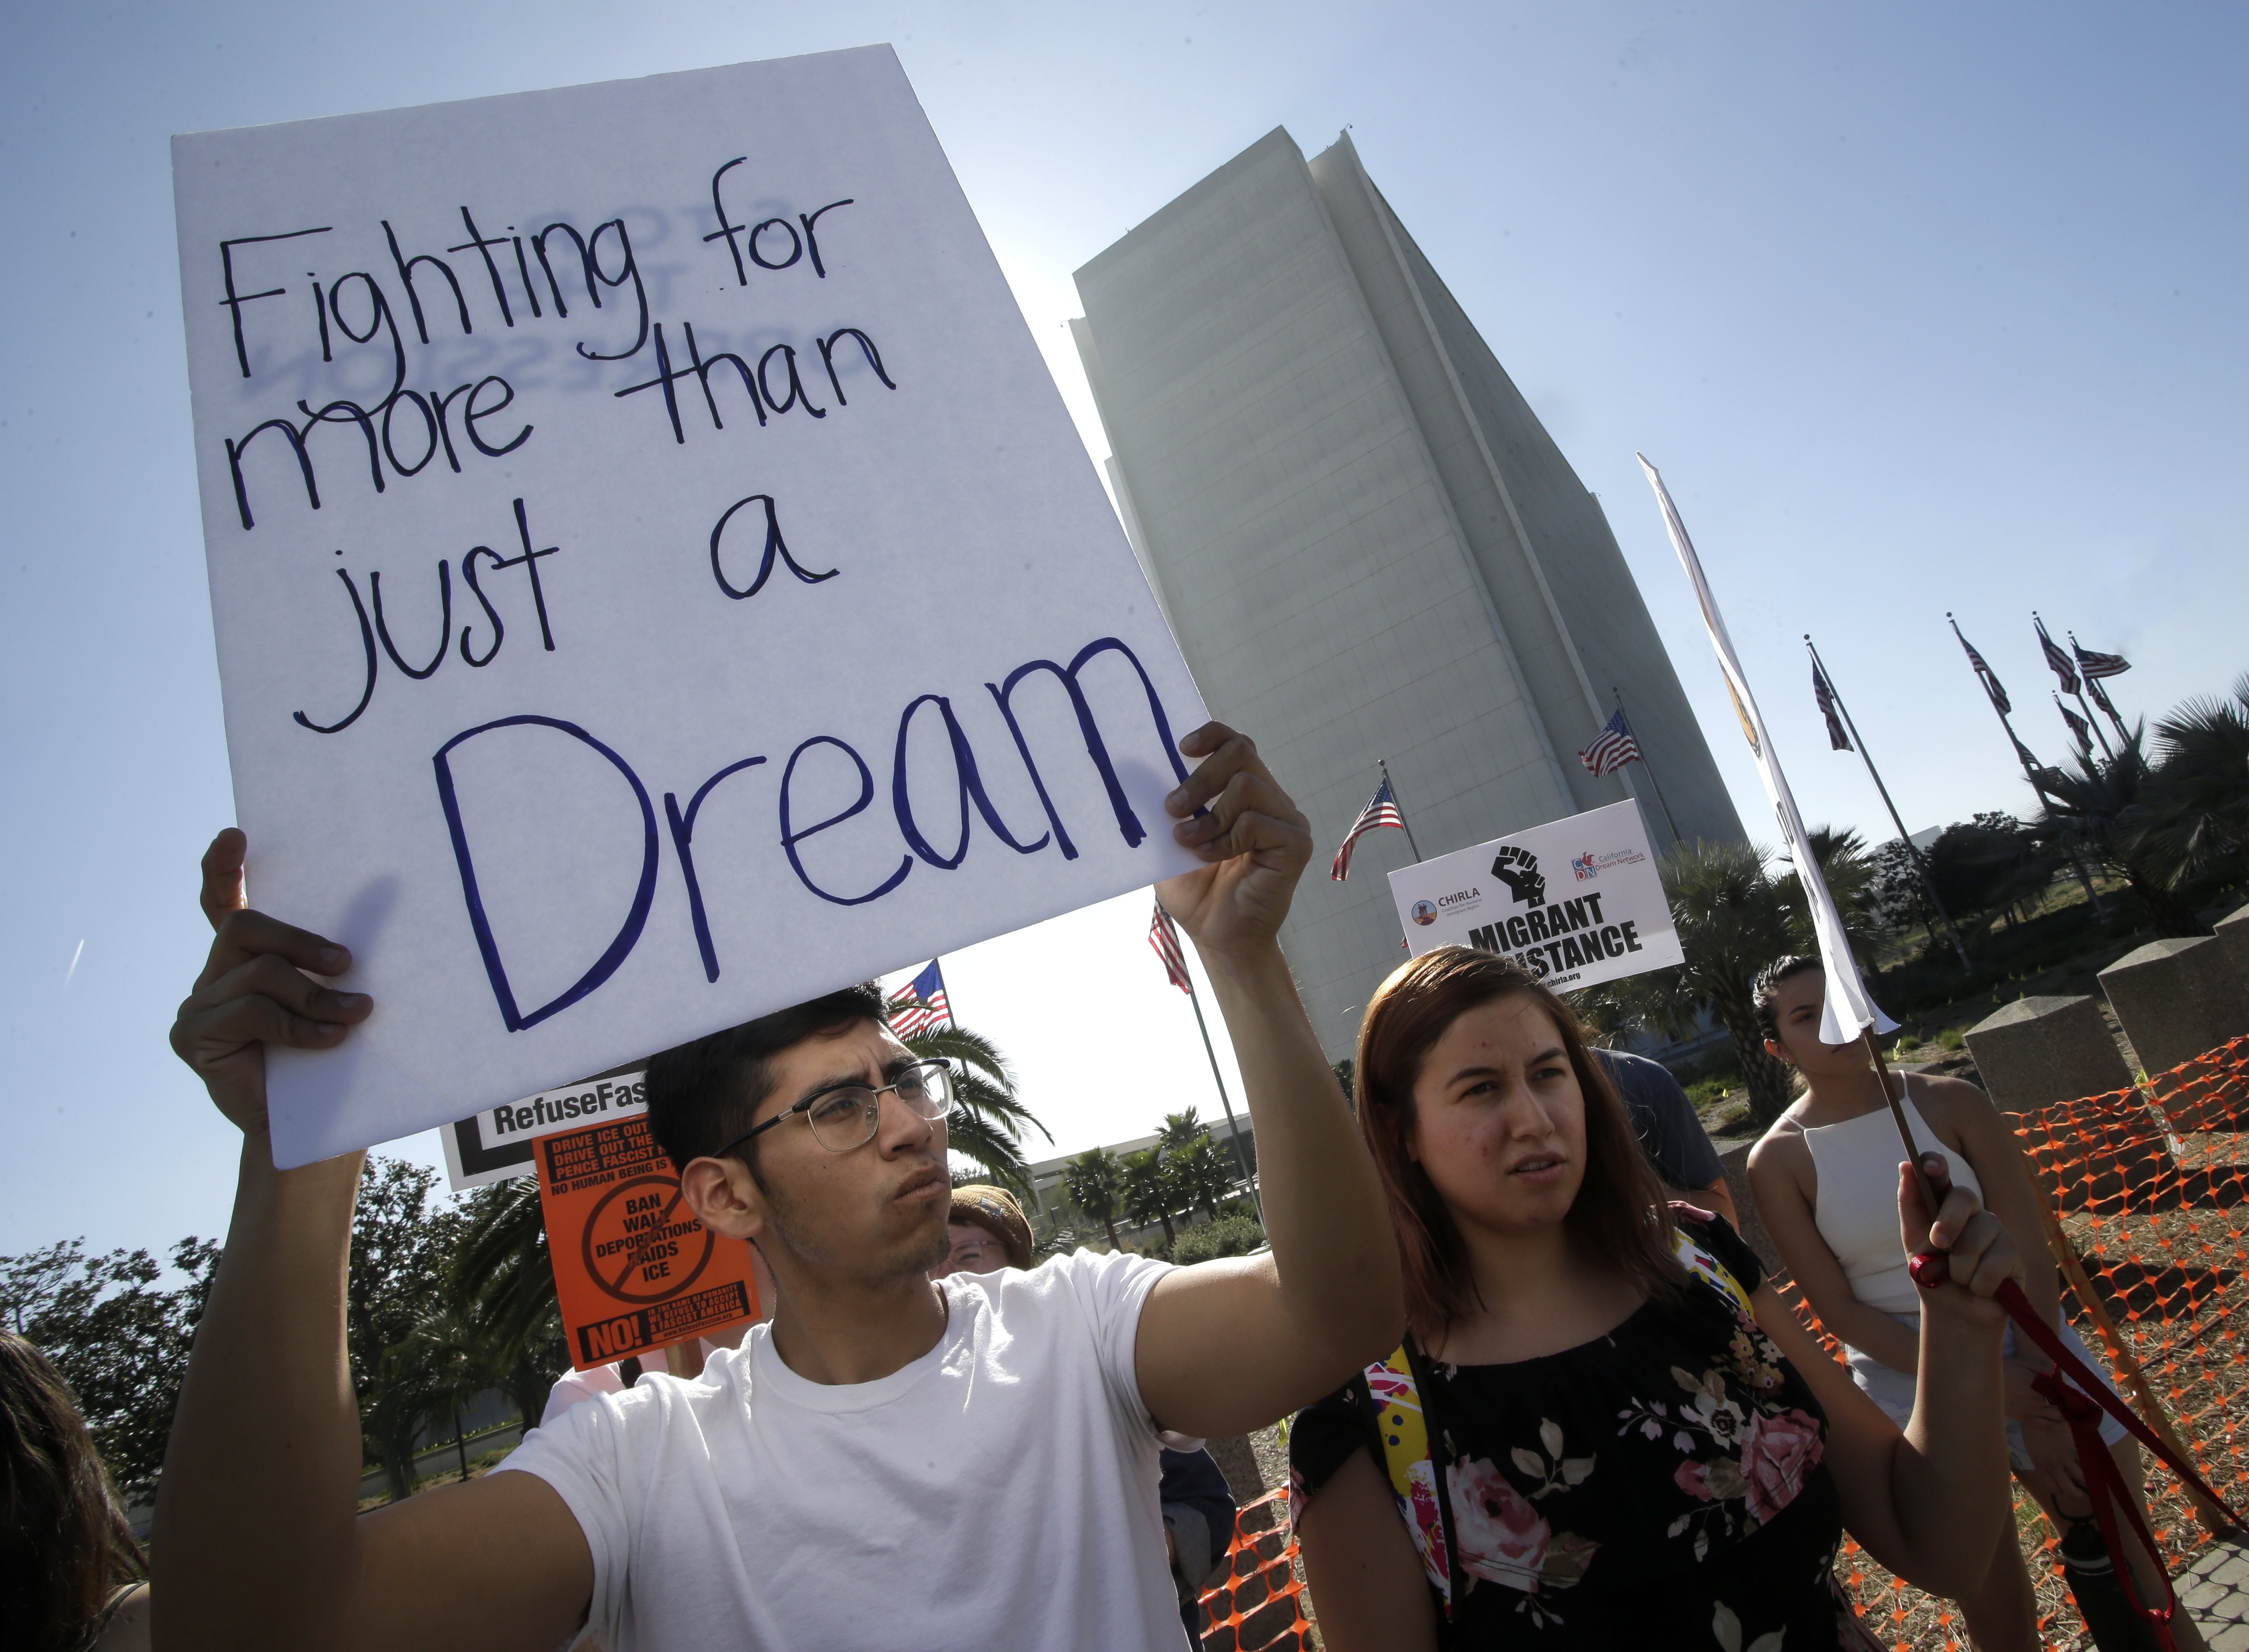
1229, 1236
1951, 1039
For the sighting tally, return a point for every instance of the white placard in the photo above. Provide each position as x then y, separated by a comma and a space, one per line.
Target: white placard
495, 1144
655, 580
1579, 900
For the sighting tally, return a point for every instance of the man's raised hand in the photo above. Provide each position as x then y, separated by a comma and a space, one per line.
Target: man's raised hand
257, 987
1252, 838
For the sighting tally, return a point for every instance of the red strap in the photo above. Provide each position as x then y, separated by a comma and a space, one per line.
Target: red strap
2090, 1387
2106, 1485
1930, 1270
2081, 1396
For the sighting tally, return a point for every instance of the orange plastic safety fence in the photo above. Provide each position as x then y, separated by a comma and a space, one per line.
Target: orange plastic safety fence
1259, 1605
2151, 1186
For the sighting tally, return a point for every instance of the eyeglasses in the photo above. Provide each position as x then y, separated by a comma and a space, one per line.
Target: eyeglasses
848, 1115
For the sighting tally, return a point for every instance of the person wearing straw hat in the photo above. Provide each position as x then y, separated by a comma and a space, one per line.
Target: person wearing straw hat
988, 1231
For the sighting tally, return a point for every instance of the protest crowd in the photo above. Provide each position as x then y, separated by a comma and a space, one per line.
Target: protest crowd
1507, 1241
803, 1355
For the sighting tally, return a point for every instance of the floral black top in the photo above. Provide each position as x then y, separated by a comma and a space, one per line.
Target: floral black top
1659, 1487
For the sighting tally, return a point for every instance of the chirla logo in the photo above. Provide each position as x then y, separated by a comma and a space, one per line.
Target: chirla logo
1425, 913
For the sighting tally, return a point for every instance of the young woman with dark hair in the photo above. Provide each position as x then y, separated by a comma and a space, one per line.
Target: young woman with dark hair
1603, 1429
70, 1570
1813, 1174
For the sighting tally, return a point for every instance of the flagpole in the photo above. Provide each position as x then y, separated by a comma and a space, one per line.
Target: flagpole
1654, 784
2107, 751
1928, 882
1383, 764
2030, 771
2069, 671
2024, 756
1232, 1129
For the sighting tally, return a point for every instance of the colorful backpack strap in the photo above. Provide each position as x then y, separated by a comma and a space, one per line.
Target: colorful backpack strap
1402, 1427
1712, 1273
1402, 1430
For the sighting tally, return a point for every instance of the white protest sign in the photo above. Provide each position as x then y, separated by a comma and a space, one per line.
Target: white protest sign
655, 579
1577, 901
495, 1144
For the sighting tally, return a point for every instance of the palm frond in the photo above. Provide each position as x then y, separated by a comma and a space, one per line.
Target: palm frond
972, 1092
984, 1079
968, 1051
2190, 819
500, 1285
984, 1145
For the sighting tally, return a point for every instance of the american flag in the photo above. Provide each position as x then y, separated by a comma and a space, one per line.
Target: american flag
1611, 749
2079, 728
1989, 677
2100, 698
1837, 739
2097, 665
922, 1006
2056, 658
1166, 940
1381, 810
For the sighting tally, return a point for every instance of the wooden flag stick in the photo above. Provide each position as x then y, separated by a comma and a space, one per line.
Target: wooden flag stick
1913, 1150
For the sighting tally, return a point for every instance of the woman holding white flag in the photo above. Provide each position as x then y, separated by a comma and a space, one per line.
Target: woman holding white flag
1822, 1176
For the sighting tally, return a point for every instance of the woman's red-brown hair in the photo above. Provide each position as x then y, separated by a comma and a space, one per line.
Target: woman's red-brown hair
1619, 1218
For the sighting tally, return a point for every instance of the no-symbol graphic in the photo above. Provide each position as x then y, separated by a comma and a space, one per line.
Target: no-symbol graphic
634, 1248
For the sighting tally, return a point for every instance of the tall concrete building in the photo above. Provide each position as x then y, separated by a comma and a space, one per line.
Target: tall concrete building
1365, 542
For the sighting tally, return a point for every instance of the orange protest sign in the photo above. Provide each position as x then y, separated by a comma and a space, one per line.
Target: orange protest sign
633, 1268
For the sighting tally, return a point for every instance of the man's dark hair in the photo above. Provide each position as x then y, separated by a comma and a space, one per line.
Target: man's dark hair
702, 1095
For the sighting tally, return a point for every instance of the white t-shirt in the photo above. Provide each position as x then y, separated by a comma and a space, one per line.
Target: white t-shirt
998, 1492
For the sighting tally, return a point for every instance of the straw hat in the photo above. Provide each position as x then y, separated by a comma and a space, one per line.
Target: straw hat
994, 1211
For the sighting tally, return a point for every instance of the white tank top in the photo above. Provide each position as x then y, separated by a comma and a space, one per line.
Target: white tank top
1854, 1201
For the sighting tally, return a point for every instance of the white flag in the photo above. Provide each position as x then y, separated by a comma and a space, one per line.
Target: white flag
1850, 1009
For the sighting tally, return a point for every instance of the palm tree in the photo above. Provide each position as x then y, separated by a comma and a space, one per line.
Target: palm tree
2192, 823
988, 1115
1094, 1183
1733, 918
1848, 871
502, 1290
1204, 1173
1179, 1130
2102, 811
1150, 1194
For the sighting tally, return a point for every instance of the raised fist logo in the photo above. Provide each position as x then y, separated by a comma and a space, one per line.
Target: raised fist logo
1518, 870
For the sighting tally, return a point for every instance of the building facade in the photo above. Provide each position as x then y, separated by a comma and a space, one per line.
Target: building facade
1366, 544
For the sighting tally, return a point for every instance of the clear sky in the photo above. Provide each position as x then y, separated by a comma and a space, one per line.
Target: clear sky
1919, 307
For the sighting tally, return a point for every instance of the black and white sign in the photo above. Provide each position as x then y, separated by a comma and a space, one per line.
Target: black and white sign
1577, 901
495, 1144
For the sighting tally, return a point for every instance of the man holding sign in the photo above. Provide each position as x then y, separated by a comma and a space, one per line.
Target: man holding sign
806, 1491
